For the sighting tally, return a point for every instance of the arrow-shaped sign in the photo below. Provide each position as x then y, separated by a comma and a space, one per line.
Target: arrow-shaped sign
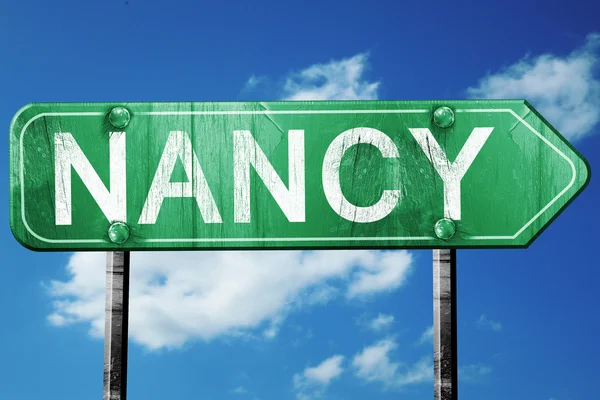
330, 174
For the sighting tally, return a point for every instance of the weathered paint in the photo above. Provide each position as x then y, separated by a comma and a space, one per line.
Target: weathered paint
332, 185
451, 172
179, 146
307, 175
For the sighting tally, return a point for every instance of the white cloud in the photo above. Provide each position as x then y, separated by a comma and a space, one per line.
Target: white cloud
382, 321
313, 381
335, 80
303, 336
484, 323
373, 364
564, 89
239, 390
322, 294
419, 372
323, 373
274, 325
385, 276
341, 79
58, 320
183, 296
254, 81
426, 336
474, 373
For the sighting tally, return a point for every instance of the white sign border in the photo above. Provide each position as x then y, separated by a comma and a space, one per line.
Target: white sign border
316, 239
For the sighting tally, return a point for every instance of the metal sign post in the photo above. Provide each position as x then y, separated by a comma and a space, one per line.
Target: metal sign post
116, 325
445, 360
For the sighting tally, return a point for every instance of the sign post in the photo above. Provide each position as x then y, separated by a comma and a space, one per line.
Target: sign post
287, 175
445, 350
116, 324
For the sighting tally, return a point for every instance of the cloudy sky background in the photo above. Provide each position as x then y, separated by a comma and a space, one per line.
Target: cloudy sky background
306, 325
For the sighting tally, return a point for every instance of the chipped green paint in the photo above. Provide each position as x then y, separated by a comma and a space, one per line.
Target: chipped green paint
302, 175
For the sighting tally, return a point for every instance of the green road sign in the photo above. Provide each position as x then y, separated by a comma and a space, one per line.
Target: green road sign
305, 175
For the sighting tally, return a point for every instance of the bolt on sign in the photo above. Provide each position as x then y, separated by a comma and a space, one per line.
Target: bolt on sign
305, 175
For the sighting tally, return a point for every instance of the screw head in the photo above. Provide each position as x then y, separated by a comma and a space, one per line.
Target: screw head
119, 117
118, 232
445, 228
443, 117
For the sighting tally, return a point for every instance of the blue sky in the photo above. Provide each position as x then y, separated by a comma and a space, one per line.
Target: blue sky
526, 318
